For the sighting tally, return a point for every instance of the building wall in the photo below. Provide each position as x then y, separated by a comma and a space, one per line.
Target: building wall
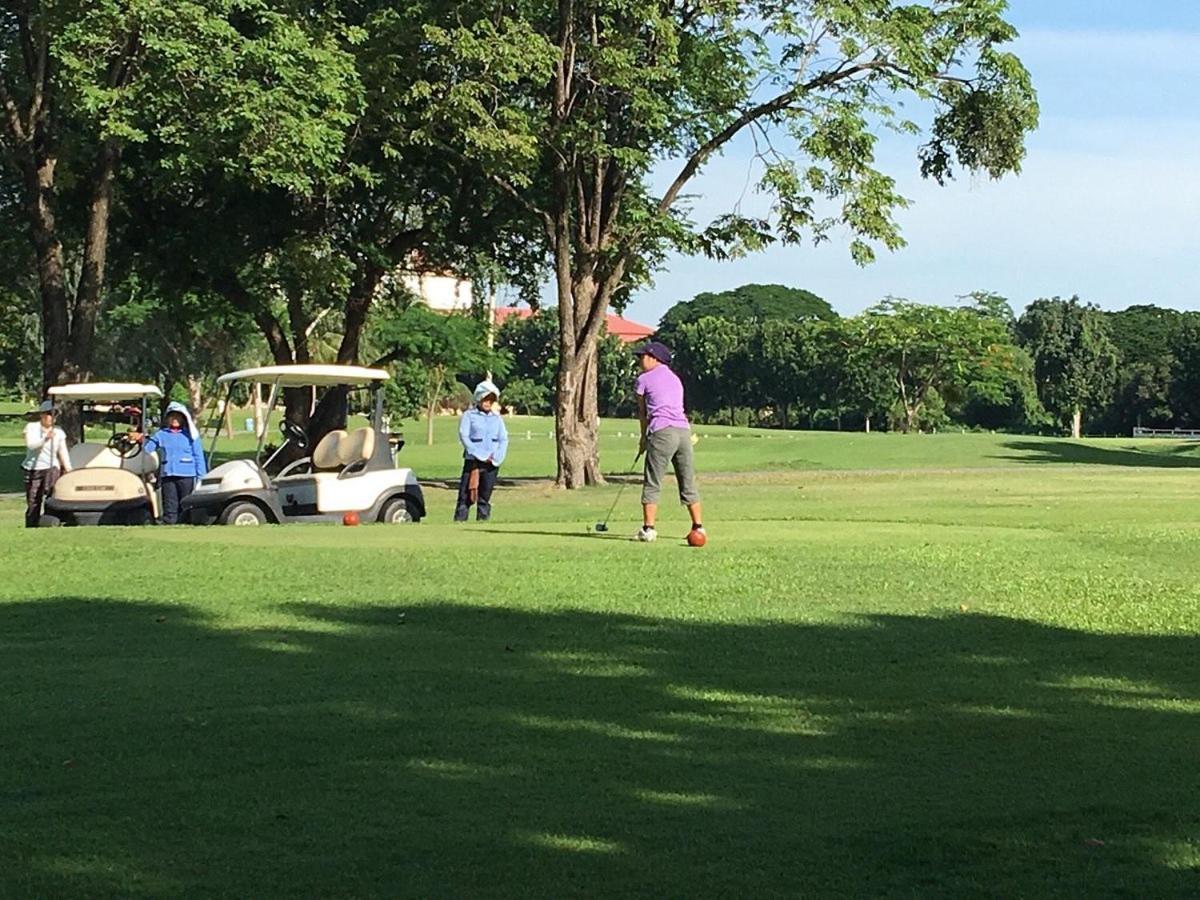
441, 292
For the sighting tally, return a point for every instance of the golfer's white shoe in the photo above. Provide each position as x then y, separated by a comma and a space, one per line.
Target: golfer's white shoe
646, 534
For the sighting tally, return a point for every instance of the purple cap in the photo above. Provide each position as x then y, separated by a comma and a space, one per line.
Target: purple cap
655, 349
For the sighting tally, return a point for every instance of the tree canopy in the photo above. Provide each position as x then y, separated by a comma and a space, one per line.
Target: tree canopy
1075, 360
750, 301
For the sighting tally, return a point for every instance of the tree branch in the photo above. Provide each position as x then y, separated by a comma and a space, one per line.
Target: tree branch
509, 188
12, 116
754, 114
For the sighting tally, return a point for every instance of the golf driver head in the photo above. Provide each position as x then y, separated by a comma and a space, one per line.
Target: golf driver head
601, 527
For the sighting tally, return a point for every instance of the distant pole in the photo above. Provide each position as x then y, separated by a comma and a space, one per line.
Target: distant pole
491, 322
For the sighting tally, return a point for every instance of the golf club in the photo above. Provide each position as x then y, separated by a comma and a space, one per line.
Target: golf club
602, 527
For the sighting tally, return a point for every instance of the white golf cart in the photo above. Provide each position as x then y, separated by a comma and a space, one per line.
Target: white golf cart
110, 483
346, 472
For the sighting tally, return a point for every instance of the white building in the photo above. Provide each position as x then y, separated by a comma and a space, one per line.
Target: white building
443, 292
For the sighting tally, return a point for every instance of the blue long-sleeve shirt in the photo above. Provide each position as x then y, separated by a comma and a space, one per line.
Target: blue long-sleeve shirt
483, 435
182, 456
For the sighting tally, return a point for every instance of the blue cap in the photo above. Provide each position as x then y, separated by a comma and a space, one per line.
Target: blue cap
655, 349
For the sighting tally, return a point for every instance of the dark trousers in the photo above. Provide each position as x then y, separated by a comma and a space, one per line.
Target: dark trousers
38, 485
487, 483
174, 489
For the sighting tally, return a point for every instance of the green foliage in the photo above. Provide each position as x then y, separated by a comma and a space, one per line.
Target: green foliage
618, 372
748, 302
435, 349
245, 85
1146, 334
936, 353
20, 374
144, 337
712, 359
1075, 360
532, 342
1184, 391
526, 396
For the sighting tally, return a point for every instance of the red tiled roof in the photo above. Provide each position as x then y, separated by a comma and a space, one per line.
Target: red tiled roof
626, 330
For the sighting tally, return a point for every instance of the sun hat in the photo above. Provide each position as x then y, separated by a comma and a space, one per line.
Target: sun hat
46, 406
656, 350
484, 388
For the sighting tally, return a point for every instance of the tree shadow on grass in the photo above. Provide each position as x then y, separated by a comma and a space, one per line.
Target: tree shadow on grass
11, 479
443, 750
1059, 450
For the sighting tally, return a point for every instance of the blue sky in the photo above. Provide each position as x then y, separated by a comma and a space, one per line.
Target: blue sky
1106, 206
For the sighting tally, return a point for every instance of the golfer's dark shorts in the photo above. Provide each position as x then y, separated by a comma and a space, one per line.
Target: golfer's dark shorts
671, 446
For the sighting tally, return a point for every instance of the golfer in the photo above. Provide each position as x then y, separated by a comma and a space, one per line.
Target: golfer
182, 458
666, 437
485, 444
45, 459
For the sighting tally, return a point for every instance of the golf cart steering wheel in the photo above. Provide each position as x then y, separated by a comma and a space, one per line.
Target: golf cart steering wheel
294, 433
124, 446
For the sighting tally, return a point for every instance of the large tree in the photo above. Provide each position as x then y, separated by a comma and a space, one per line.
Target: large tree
237, 82
1074, 358
934, 352
750, 301
312, 264
618, 89
712, 359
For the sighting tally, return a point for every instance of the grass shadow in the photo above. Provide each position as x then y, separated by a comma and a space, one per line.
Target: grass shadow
432, 749
590, 533
1059, 450
11, 479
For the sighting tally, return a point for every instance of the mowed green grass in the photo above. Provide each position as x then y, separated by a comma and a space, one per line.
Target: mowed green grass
721, 449
955, 675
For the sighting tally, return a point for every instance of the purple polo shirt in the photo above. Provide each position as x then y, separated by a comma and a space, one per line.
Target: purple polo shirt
664, 398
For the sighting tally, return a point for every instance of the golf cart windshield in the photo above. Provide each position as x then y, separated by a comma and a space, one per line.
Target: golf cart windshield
115, 402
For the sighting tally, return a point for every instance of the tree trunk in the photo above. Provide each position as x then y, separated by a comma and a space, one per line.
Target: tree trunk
576, 418
89, 294
43, 232
195, 389
435, 394
357, 307
1077, 423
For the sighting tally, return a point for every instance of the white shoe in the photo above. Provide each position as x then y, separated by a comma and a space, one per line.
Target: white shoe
645, 534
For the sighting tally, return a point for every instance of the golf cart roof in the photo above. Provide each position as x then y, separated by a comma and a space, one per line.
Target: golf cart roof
104, 391
304, 375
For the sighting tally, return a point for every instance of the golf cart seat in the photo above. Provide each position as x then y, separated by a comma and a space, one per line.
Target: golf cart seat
100, 456
326, 458
356, 449
327, 455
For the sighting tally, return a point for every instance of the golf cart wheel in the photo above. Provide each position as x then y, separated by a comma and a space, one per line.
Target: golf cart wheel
396, 512
244, 513
49, 521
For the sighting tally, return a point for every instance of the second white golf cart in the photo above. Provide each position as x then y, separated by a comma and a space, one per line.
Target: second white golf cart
348, 471
110, 482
